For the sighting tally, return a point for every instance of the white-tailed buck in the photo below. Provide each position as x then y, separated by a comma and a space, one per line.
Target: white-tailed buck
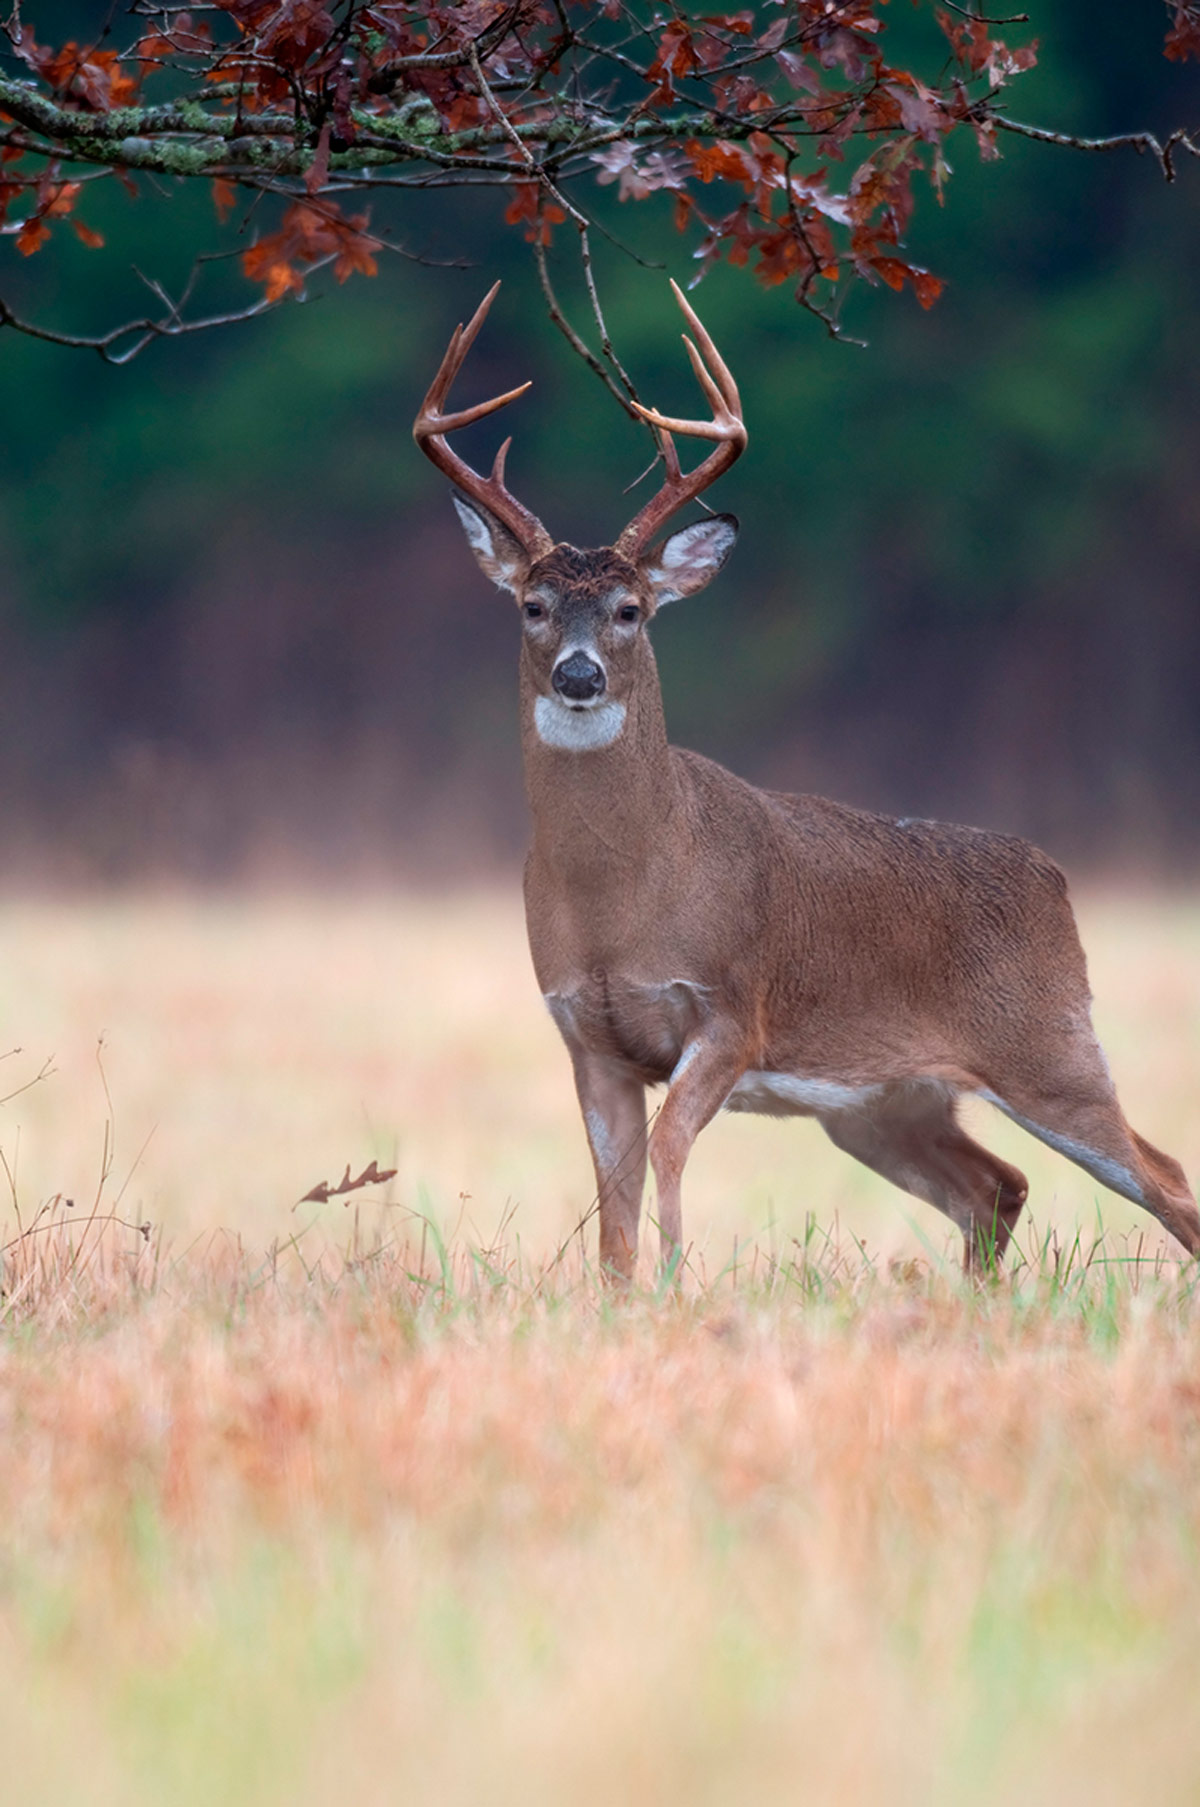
760, 952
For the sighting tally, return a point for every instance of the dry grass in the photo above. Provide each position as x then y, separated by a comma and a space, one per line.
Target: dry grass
298, 1509
261, 1045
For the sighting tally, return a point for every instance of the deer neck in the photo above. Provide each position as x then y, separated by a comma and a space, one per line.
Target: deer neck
607, 806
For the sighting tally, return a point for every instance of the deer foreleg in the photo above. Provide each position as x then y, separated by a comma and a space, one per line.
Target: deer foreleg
705, 1074
614, 1115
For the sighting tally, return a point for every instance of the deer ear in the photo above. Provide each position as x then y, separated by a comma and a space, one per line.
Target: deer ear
685, 561
501, 557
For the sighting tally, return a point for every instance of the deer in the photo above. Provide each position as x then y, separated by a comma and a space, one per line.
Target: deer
752, 950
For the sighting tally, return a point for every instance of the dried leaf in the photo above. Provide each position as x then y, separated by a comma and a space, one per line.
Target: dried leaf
799, 73
1183, 39
309, 234
727, 162
32, 236
318, 170
371, 1175
926, 287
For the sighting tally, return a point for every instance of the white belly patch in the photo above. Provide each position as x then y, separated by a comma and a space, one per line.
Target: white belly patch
577, 730
788, 1095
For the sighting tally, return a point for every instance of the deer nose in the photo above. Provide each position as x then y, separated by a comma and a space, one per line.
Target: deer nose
579, 678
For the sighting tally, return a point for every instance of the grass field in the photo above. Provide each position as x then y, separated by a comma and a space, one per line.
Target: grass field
388, 1501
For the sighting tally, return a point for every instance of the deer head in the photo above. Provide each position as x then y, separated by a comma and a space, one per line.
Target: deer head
584, 612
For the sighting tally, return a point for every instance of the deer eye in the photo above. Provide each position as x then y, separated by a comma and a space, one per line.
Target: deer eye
630, 612
534, 611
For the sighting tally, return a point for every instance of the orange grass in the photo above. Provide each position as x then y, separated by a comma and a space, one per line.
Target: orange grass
303, 1508
461, 1536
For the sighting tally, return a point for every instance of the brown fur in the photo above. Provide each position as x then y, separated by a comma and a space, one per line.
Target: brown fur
761, 951
910, 957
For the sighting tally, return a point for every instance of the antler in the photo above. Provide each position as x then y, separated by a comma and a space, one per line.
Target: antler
432, 424
726, 427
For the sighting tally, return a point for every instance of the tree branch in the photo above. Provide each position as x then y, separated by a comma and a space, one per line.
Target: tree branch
305, 103
170, 325
1162, 150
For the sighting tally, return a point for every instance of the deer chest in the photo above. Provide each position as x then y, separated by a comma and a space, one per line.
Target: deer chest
643, 1024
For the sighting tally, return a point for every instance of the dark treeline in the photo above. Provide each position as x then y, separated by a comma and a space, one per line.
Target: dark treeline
240, 630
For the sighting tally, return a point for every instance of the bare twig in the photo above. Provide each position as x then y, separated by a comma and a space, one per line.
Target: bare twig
578, 345
44, 1072
487, 41
40, 1228
1162, 150
580, 222
112, 346
964, 12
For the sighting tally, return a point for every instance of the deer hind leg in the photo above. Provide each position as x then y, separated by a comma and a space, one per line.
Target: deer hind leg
614, 1115
1067, 1100
910, 1135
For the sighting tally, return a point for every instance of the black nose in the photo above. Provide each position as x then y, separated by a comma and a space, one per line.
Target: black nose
579, 678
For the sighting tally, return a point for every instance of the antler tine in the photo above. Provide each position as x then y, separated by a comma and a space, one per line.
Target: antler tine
432, 424
465, 417
726, 427
724, 375
461, 341
715, 396
723, 424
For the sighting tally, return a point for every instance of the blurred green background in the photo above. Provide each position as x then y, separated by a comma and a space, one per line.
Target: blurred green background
240, 631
